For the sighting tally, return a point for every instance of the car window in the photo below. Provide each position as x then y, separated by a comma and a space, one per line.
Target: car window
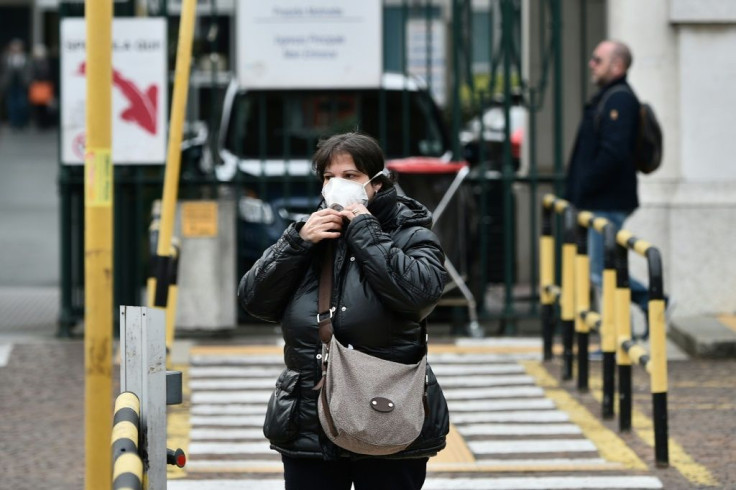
288, 124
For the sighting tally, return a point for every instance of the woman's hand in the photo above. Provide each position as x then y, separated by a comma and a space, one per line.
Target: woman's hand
354, 210
321, 225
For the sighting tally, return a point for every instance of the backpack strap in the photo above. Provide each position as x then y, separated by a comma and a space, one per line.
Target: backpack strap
602, 103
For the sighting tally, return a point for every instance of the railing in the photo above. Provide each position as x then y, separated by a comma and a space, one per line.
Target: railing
614, 322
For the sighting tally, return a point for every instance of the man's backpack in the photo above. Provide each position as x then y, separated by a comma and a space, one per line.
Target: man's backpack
648, 151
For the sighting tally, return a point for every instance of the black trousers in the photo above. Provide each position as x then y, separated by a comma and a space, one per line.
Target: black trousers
365, 474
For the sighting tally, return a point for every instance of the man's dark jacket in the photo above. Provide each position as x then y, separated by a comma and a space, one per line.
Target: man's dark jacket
388, 276
602, 174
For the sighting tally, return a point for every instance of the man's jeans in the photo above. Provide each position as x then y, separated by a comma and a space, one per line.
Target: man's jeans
639, 292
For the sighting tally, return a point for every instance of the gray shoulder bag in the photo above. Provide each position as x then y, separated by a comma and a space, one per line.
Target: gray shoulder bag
367, 405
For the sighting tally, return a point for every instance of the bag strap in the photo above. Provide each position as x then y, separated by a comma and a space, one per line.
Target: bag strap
324, 311
324, 315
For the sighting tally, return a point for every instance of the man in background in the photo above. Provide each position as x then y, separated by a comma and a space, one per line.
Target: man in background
601, 176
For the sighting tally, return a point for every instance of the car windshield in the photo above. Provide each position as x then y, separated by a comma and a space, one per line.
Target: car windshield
288, 124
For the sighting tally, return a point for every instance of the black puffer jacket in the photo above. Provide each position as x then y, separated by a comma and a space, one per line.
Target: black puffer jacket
388, 276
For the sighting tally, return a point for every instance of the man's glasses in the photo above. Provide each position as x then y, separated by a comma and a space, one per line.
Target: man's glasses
596, 60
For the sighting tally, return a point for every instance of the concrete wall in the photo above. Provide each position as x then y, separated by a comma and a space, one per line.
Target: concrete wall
683, 64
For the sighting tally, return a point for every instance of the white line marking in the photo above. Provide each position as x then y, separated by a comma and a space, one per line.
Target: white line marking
234, 371
510, 483
228, 448
531, 446
518, 429
500, 341
231, 434
234, 409
534, 464
242, 360
207, 465
455, 369
481, 393
483, 358
510, 404
518, 416
5, 354
460, 381
543, 483
237, 397
232, 384
224, 420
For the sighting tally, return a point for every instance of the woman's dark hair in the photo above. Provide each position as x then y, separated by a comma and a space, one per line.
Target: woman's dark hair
366, 153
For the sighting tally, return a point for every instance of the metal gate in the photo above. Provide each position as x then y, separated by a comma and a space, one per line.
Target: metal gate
473, 57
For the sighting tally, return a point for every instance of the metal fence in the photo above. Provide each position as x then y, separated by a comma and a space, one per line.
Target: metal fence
465, 112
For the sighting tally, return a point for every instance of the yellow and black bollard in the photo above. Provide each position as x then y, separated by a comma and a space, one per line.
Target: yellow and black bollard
126, 462
582, 297
623, 333
567, 306
608, 315
547, 288
656, 363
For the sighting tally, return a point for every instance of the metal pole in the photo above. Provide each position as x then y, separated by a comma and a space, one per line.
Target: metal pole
507, 172
557, 42
173, 161
456, 82
98, 244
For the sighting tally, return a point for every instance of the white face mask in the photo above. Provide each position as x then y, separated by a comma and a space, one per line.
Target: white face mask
343, 192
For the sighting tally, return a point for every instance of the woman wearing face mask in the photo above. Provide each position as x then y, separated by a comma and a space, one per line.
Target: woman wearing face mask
388, 275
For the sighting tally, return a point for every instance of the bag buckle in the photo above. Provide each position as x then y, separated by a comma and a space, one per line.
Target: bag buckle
321, 316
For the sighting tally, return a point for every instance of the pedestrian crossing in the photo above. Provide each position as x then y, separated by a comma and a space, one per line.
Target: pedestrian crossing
508, 429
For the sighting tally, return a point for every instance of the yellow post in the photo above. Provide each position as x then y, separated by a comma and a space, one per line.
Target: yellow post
173, 160
547, 268
98, 240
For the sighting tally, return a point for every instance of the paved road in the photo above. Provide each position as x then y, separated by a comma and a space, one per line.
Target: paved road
29, 218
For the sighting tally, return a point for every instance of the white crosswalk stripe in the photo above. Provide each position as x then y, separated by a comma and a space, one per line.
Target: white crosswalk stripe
509, 483
5, 350
505, 418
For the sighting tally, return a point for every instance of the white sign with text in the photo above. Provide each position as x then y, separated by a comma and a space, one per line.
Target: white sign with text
309, 44
139, 90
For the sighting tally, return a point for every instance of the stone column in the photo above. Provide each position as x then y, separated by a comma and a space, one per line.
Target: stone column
683, 63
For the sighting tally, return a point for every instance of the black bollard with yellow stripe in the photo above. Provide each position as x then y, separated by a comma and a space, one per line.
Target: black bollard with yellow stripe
656, 362
623, 332
608, 315
126, 462
567, 314
547, 276
582, 297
